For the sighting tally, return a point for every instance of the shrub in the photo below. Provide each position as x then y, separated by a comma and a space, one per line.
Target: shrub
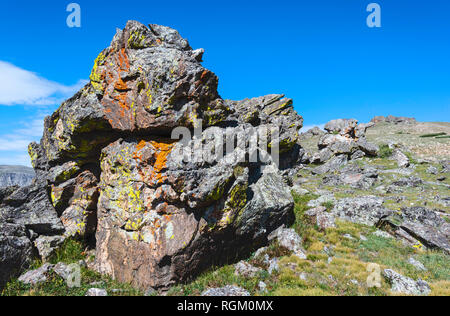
385, 151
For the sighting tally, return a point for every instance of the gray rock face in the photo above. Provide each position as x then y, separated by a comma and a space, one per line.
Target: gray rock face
31, 207
15, 175
353, 176
35, 225
316, 131
422, 224
15, 251
404, 285
226, 291
39, 275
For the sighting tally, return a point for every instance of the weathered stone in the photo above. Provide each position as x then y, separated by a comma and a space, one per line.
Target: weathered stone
418, 265
393, 119
16, 252
432, 170
46, 245
401, 159
108, 168
404, 285
326, 198
322, 218
422, 224
315, 131
342, 126
96, 292
408, 182
39, 275
290, 240
332, 165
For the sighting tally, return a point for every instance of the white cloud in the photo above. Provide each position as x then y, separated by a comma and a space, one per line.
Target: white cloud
14, 146
22, 87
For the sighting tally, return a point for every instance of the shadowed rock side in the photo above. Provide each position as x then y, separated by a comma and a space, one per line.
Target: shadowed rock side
15, 175
112, 173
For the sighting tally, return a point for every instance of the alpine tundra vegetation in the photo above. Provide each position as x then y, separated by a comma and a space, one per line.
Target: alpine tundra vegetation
355, 209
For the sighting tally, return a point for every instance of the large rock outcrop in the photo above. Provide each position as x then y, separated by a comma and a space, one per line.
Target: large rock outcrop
114, 174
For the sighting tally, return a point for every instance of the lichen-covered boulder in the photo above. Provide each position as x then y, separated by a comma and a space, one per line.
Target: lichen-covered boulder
167, 220
114, 175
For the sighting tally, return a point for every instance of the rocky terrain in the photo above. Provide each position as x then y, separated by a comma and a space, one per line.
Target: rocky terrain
357, 209
15, 175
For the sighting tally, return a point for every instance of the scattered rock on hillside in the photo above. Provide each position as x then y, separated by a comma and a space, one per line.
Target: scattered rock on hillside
344, 138
96, 292
393, 119
404, 285
408, 182
332, 165
290, 240
246, 270
367, 210
422, 224
15, 176
15, 251
401, 159
46, 245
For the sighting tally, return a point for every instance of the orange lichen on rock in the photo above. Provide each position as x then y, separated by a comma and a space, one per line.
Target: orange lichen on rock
161, 154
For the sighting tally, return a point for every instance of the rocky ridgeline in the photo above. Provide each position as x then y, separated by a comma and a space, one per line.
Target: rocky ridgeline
109, 173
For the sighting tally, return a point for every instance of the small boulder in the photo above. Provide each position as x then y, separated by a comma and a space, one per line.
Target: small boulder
404, 285
290, 240
418, 265
246, 270
46, 245
36, 276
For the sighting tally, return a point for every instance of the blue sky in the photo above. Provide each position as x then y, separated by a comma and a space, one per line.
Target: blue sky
319, 52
